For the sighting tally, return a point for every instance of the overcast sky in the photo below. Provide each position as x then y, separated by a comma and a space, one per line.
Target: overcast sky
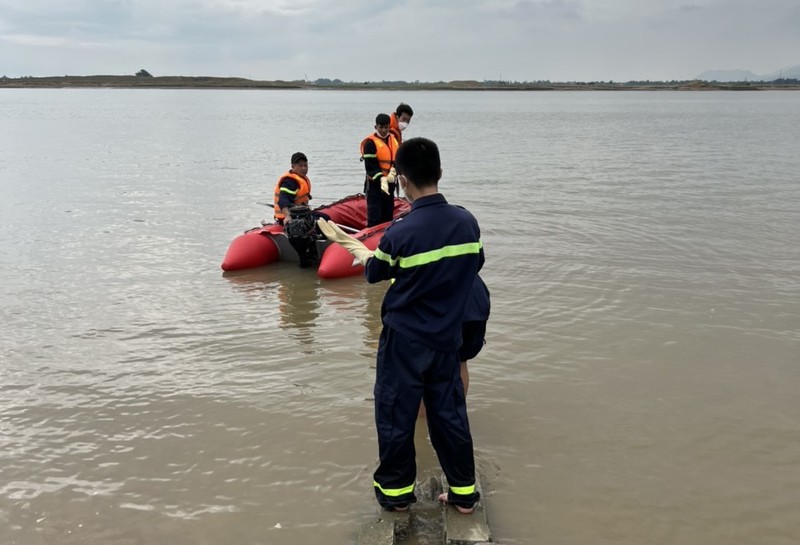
426, 40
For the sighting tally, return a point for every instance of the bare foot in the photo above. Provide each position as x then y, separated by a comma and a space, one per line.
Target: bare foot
462, 510
400, 508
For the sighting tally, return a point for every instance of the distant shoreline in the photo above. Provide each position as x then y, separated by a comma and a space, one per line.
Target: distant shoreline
200, 82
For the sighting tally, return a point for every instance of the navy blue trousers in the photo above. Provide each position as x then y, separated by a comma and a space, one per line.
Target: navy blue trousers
380, 206
407, 373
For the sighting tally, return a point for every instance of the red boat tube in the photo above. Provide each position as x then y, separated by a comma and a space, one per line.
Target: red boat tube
255, 248
269, 244
336, 262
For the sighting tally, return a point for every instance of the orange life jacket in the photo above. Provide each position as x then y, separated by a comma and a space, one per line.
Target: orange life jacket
302, 196
394, 128
385, 151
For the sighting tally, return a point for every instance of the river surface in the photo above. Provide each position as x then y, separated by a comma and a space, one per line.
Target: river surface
640, 380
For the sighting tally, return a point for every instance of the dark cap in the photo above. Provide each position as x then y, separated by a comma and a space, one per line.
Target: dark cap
299, 156
382, 119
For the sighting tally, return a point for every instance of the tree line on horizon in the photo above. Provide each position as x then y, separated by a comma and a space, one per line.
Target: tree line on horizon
494, 83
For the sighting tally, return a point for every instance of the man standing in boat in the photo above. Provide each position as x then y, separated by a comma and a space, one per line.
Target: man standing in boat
399, 121
292, 193
378, 151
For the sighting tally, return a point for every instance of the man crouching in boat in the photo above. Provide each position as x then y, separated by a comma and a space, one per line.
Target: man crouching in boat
292, 194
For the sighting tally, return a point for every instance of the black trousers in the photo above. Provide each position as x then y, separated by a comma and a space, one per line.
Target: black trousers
380, 206
407, 372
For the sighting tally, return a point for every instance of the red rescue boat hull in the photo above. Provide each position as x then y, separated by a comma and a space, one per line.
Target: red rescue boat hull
265, 245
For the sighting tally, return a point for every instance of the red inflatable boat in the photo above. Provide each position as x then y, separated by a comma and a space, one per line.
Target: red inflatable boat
269, 244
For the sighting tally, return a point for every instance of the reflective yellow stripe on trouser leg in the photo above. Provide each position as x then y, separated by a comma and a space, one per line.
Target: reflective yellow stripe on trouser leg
395, 492
463, 490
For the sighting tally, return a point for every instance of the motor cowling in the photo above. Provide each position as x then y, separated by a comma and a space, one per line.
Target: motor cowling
300, 230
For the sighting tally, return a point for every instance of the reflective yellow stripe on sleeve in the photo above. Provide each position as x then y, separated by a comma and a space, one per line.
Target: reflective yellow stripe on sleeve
289, 191
394, 492
383, 256
431, 256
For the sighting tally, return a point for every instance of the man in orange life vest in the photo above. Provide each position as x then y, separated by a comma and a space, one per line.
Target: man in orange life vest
294, 190
377, 152
399, 121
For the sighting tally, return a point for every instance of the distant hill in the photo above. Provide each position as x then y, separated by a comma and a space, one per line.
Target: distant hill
790, 72
728, 75
746, 75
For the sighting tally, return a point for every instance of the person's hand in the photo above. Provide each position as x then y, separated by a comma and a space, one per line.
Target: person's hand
385, 184
333, 233
392, 175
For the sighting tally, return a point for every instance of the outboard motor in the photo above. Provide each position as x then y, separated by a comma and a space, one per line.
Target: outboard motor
301, 233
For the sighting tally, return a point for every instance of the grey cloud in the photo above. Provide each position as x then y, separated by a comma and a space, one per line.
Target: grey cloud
403, 39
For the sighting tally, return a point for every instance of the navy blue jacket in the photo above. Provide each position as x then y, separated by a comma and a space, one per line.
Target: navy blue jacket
433, 253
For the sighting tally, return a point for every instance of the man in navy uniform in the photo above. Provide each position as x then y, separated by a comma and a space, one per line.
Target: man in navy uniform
432, 254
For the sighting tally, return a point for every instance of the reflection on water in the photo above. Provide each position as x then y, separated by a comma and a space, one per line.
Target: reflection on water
295, 293
303, 300
639, 384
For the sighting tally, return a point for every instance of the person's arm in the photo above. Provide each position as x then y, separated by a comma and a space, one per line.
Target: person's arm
371, 164
383, 264
477, 231
288, 191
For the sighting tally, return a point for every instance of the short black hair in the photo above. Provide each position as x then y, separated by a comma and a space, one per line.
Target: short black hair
404, 108
382, 119
299, 156
418, 160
